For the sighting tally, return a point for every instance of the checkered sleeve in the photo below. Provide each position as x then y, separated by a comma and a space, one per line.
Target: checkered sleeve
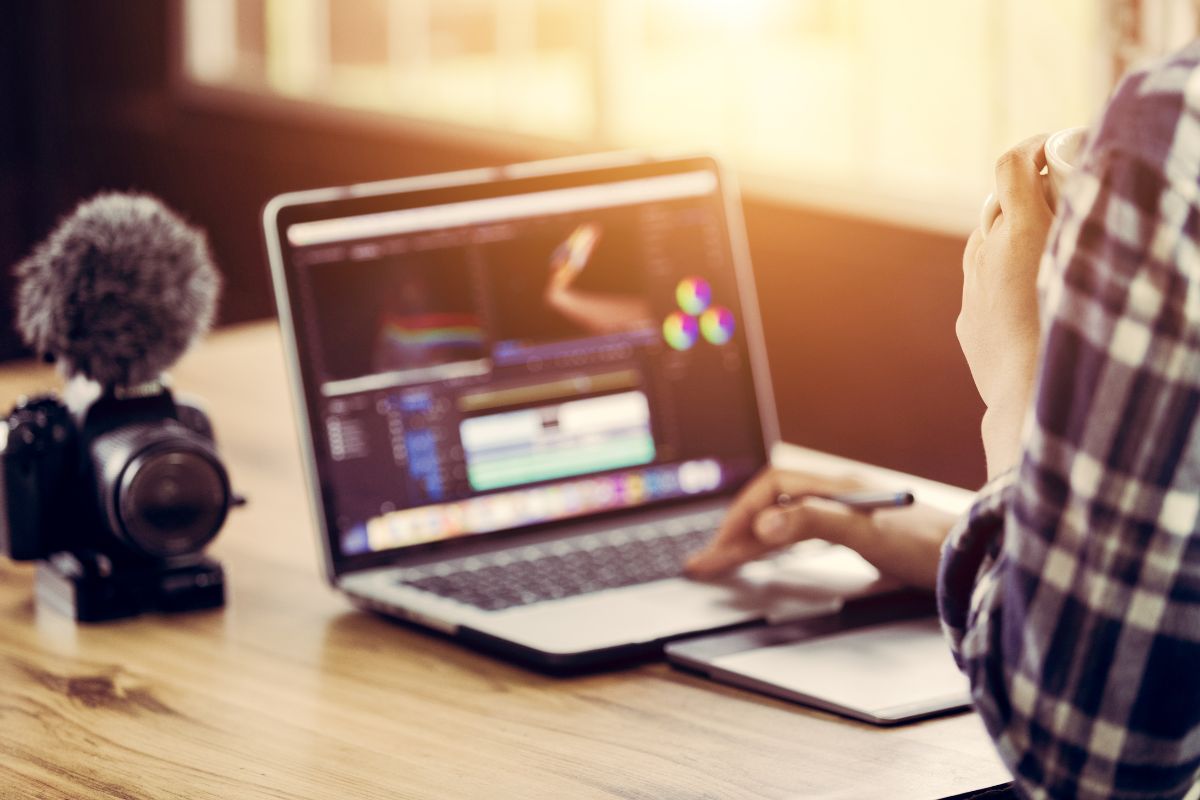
1071, 591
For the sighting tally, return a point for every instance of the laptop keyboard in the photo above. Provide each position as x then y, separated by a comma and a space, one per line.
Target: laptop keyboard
570, 567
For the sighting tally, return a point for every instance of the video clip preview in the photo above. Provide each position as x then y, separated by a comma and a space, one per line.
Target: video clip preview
525, 364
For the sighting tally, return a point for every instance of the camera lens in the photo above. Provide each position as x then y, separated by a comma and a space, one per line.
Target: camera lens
172, 500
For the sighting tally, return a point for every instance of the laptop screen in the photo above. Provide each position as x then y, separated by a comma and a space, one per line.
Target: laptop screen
496, 362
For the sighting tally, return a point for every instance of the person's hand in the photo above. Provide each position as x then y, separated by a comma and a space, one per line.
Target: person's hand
570, 257
998, 324
904, 543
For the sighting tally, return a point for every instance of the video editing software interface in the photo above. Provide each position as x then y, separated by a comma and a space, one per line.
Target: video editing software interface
490, 364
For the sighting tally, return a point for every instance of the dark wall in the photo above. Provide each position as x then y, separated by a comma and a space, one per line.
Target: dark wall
18, 156
859, 316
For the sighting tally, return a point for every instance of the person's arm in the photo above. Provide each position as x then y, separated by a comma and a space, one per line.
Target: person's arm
998, 326
1071, 592
599, 313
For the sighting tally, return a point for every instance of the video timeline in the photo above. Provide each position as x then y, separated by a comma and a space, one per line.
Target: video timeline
557, 441
531, 506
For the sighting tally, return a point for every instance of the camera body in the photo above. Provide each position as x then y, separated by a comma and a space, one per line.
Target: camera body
117, 500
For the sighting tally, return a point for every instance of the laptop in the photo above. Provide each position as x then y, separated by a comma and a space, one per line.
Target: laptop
526, 395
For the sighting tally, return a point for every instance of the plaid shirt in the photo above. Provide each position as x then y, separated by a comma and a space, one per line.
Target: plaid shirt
1071, 590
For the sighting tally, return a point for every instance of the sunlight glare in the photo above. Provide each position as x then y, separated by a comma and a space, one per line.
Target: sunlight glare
741, 14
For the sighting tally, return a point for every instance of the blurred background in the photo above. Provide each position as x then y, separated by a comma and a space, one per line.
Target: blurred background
863, 133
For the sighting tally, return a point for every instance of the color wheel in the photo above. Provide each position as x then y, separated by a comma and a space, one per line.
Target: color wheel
680, 330
693, 295
716, 325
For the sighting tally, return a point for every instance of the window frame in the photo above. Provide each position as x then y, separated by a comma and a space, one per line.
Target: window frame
948, 217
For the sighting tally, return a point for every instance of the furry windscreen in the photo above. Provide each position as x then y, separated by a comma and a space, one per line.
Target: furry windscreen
119, 291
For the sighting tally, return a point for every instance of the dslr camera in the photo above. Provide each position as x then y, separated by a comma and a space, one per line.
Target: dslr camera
117, 500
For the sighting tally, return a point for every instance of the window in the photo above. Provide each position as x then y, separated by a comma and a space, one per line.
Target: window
890, 109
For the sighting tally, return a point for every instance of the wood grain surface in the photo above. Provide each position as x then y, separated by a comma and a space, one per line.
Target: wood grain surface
289, 692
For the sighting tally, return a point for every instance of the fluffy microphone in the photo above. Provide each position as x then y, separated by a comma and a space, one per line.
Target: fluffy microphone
118, 291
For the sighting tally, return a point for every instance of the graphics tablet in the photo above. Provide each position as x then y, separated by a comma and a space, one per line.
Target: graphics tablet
884, 662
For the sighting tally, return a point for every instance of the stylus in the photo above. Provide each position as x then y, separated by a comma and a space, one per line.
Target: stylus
859, 501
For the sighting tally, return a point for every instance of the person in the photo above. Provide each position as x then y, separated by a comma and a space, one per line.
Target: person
1070, 591
596, 313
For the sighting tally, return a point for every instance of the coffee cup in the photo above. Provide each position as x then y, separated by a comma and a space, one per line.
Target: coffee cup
1064, 150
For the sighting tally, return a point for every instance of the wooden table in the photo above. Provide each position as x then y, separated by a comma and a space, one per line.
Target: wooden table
289, 692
